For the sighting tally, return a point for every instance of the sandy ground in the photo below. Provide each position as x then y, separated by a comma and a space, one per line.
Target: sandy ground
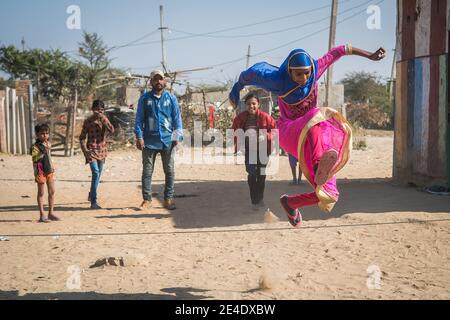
380, 242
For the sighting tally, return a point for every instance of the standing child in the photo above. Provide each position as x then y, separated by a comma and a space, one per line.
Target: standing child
44, 171
251, 122
95, 128
293, 163
320, 140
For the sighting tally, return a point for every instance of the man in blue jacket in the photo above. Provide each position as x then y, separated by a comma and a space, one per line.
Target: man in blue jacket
158, 129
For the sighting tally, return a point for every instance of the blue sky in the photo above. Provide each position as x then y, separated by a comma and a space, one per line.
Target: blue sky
43, 24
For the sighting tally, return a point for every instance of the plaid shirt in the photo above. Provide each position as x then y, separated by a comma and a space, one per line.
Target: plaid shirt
95, 130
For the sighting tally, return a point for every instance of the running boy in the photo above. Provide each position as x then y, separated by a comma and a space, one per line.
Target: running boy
293, 163
95, 128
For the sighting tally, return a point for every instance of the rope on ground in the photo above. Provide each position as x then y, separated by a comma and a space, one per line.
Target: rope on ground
409, 221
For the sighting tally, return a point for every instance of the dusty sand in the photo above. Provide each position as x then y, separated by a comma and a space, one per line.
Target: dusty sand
381, 241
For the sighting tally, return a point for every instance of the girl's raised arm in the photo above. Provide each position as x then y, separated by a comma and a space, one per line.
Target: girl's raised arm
375, 56
336, 53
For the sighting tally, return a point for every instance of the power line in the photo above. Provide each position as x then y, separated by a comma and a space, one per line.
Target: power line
270, 32
140, 68
296, 40
129, 44
229, 62
210, 34
134, 41
193, 35
274, 57
254, 24
270, 20
314, 33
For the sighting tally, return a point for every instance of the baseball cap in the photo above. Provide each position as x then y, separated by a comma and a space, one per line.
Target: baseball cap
156, 72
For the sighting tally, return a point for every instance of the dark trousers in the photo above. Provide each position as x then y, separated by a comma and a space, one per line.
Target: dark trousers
256, 182
148, 161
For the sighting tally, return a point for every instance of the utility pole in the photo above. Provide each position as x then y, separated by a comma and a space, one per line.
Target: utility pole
23, 44
248, 58
331, 44
391, 82
162, 28
74, 121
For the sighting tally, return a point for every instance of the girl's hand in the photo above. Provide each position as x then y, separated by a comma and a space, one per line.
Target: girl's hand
378, 55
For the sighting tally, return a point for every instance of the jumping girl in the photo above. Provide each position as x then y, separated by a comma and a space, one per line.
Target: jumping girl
319, 139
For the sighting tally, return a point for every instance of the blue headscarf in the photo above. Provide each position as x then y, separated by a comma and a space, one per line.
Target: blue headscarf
278, 80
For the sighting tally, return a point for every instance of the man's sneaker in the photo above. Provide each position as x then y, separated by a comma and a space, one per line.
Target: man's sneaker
169, 204
146, 204
95, 206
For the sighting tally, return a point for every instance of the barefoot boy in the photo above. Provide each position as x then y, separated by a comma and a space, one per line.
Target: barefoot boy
44, 171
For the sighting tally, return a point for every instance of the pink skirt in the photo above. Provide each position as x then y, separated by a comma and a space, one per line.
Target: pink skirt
336, 134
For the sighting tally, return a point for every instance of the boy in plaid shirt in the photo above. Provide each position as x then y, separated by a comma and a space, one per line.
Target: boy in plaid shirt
95, 151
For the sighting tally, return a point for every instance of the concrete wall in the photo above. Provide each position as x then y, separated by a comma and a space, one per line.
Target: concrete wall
127, 96
336, 99
3, 143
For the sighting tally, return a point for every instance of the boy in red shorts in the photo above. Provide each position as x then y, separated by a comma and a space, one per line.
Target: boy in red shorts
44, 171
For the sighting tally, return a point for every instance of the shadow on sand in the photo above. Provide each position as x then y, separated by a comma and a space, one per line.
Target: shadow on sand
227, 204
209, 204
171, 294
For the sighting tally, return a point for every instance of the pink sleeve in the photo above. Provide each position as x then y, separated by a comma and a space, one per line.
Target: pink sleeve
331, 57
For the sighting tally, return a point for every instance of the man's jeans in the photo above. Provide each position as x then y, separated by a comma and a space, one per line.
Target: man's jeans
148, 162
96, 169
